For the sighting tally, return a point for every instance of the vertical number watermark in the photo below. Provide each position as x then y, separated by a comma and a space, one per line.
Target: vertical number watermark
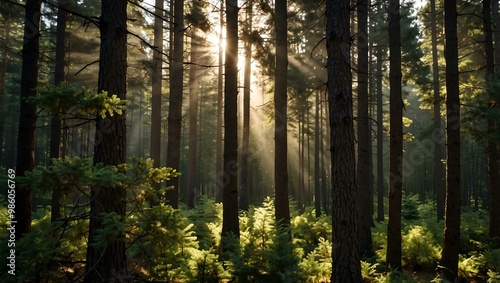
11, 223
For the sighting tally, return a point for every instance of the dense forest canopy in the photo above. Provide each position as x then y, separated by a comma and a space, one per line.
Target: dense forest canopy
249, 141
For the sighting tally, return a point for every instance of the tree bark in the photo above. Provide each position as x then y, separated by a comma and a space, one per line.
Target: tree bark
230, 221
156, 85
317, 187
280, 116
439, 169
396, 140
175, 103
364, 149
380, 139
56, 123
451, 247
220, 100
492, 146
3, 72
109, 263
194, 90
27, 115
346, 265
244, 188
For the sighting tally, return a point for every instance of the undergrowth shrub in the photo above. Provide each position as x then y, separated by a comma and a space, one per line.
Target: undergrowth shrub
419, 249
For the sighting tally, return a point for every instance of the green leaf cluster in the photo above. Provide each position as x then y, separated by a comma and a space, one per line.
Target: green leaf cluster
65, 99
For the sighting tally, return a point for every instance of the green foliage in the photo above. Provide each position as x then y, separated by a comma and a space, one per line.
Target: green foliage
264, 253
419, 249
317, 265
410, 207
66, 99
368, 271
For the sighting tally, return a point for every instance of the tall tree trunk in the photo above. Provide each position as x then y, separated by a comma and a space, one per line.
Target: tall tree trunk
364, 153
55, 125
451, 247
325, 198
280, 116
439, 169
219, 181
244, 189
493, 146
109, 263
27, 114
230, 221
156, 85
194, 89
346, 265
396, 140
175, 103
380, 139
3, 72
317, 188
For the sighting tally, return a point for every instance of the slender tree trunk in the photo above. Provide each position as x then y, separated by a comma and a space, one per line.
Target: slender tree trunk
380, 139
324, 197
244, 189
346, 265
439, 169
317, 187
194, 89
219, 181
156, 85
27, 115
364, 152
280, 117
109, 263
396, 140
490, 12
230, 221
175, 103
451, 247
56, 123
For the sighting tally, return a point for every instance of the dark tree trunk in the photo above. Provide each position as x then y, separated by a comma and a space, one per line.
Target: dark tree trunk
219, 138
55, 125
439, 169
396, 140
364, 173
175, 103
244, 188
346, 265
3, 72
109, 263
280, 117
380, 139
156, 85
451, 247
492, 146
194, 90
230, 221
219, 181
27, 115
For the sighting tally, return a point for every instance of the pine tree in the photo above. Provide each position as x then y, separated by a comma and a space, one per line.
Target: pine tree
109, 262
175, 102
280, 116
346, 266
364, 174
27, 114
396, 140
230, 220
451, 248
